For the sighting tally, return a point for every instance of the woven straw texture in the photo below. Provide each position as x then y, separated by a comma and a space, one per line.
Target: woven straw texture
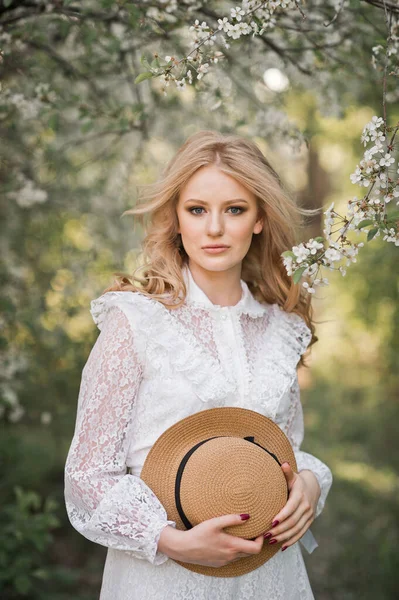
223, 476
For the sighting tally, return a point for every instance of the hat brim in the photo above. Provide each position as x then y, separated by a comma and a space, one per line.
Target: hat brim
163, 460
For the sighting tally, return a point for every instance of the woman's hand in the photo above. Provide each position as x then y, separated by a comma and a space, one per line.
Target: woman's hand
299, 512
208, 544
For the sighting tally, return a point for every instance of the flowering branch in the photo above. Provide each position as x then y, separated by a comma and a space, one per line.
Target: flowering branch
373, 172
204, 35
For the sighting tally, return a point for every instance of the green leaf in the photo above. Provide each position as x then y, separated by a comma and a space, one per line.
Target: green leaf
319, 238
372, 233
298, 274
288, 253
394, 216
364, 223
143, 76
145, 62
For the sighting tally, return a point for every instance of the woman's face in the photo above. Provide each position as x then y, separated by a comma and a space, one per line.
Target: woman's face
214, 208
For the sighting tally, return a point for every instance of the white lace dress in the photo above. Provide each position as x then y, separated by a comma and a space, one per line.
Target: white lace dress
149, 368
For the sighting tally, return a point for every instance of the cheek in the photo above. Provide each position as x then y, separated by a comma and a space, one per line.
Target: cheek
241, 229
189, 227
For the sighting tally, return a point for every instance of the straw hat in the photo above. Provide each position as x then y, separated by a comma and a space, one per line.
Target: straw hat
222, 461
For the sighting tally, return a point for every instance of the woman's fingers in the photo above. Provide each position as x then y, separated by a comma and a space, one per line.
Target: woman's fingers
291, 522
290, 541
292, 512
299, 528
295, 499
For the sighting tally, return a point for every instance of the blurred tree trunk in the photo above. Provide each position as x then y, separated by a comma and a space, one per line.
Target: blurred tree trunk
315, 193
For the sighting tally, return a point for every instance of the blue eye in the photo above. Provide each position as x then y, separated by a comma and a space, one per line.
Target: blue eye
201, 208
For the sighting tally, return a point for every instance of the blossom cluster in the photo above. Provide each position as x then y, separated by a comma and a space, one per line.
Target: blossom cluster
251, 17
368, 214
374, 168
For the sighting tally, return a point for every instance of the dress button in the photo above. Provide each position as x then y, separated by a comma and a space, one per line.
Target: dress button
223, 317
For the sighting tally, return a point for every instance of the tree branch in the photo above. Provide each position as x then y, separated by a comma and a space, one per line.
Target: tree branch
382, 4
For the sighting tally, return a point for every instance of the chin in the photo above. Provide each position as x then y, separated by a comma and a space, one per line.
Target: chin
213, 264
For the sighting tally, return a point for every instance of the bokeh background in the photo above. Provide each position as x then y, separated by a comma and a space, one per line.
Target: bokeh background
78, 137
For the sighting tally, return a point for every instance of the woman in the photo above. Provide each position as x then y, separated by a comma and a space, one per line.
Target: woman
214, 321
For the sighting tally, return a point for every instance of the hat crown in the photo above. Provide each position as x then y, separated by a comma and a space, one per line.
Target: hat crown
224, 472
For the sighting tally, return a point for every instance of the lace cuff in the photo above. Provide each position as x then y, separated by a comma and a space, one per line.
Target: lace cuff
129, 517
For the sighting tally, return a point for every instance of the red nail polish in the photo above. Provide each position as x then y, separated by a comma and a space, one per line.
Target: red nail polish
273, 541
284, 548
267, 535
244, 516
275, 523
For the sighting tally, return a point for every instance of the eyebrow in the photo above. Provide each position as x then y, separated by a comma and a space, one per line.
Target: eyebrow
226, 202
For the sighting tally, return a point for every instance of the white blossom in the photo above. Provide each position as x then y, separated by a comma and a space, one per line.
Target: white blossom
332, 254
391, 236
387, 160
301, 252
180, 83
223, 24
237, 13
202, 70
314, 246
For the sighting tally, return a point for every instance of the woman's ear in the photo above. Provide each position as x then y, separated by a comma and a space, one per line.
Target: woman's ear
258, 225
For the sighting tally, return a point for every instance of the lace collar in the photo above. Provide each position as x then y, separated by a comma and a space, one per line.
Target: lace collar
246, 305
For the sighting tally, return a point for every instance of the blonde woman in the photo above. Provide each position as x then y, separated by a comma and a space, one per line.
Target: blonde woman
209, 319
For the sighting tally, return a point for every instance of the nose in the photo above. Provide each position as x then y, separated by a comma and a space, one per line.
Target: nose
215, 225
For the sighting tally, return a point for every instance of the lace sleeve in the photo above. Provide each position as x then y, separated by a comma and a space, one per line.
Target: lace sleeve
104, 503
295, 432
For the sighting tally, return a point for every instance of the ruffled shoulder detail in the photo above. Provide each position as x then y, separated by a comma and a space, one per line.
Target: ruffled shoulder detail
134, 305
100, 307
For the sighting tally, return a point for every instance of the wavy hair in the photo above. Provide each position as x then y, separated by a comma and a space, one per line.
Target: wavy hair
163, 255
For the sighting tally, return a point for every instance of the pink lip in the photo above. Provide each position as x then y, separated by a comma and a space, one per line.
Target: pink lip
215, 249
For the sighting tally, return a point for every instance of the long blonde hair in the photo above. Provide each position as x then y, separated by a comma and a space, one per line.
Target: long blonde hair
163, 255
